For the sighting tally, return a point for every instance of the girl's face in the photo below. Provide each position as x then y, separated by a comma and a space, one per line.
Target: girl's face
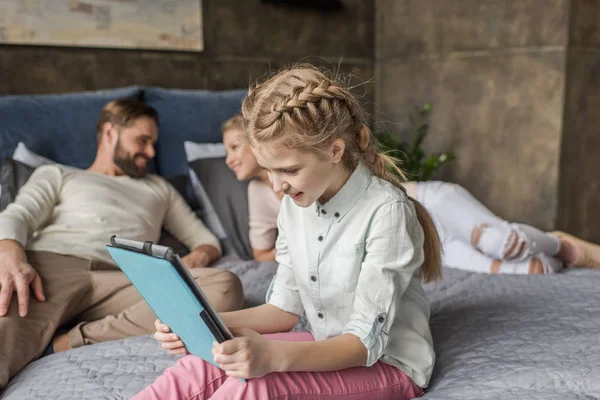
240, 158
303, 176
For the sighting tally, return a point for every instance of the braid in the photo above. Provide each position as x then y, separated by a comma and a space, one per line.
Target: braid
309, 111
311, 93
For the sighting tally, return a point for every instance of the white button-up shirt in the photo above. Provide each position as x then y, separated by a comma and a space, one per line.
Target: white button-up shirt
353, 266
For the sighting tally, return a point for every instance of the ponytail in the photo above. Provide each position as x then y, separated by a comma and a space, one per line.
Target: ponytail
432, 266
386, 168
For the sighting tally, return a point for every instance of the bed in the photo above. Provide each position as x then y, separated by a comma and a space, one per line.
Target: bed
496, 337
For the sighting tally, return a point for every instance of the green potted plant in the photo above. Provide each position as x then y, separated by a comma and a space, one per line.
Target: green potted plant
417, 165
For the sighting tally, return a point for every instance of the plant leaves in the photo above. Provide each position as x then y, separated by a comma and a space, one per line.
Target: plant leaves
411, 157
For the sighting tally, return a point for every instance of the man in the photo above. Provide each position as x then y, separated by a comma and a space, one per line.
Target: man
53, 237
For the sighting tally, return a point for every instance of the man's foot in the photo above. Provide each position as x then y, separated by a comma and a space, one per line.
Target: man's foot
577, 253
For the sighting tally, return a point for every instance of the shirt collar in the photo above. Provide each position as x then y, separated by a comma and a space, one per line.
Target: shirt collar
339, 205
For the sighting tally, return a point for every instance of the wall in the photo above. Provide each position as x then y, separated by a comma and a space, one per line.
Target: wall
579, 196
495, 73
243, 39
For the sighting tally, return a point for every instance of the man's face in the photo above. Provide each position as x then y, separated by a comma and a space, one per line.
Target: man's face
135, 147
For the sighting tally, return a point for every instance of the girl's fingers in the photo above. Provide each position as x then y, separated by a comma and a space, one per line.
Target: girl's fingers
231, 346
165, 337
161, 327
172, 345
178, 352
221, 358
232, 367
236, 374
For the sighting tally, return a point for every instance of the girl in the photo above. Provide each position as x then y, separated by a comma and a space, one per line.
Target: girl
263, 202
473, 237
352, 250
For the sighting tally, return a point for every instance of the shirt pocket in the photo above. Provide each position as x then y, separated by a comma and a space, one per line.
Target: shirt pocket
347, 260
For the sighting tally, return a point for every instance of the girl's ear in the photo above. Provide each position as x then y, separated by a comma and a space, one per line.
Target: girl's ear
337, 150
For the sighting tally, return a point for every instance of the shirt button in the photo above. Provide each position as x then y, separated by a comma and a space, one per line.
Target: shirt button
380, 319
323, 212
337, 215
313, 278
320, 315
320, 238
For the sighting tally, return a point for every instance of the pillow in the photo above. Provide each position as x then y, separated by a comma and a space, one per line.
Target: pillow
14, 175
194, 115
229, 200
194, 151
180, 183
61, 127
28, 157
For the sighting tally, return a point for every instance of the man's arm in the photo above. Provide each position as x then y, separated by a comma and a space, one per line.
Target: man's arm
183, 223
30, 210
33, 205
201, 256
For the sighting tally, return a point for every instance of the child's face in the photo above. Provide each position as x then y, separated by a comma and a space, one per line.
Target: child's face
305, 177
240, 158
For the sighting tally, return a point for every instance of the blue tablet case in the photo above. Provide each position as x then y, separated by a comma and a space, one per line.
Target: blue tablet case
169, 296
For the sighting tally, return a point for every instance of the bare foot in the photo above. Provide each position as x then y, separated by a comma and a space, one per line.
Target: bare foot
61, 343
576, 252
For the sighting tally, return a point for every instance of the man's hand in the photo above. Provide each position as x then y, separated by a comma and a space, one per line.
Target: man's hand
201, 256
196, 259
16, 275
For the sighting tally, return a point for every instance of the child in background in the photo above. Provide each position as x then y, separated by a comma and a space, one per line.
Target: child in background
263, 202
352, 249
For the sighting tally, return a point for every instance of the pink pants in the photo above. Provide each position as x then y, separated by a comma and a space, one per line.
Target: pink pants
193, 378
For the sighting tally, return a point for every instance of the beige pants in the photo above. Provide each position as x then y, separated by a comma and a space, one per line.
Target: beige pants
97, 301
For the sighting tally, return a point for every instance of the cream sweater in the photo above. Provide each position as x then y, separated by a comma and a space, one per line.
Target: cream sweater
75, 212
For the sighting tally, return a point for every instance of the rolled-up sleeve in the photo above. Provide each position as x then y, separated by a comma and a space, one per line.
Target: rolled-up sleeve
283, 292
33, 205
393, 253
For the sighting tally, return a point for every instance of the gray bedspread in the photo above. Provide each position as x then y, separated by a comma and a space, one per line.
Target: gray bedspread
496, 337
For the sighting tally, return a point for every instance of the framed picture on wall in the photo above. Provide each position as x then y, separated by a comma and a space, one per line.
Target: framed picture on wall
136, 24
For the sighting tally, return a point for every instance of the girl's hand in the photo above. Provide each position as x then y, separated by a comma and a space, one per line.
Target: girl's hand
169, 340
249, 355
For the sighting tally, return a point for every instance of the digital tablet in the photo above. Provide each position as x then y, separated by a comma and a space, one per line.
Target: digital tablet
167, 286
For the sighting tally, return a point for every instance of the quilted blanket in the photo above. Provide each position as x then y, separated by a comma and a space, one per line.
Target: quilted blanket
496, 337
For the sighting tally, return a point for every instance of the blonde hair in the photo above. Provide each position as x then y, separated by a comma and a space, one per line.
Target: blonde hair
301, 108
235, 122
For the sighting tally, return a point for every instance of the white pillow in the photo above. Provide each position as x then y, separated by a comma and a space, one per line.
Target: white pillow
28, 157
196, 151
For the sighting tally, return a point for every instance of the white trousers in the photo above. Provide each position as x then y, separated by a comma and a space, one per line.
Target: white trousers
475, 239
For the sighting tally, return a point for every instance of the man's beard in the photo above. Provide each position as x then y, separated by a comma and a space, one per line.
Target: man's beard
127, 163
